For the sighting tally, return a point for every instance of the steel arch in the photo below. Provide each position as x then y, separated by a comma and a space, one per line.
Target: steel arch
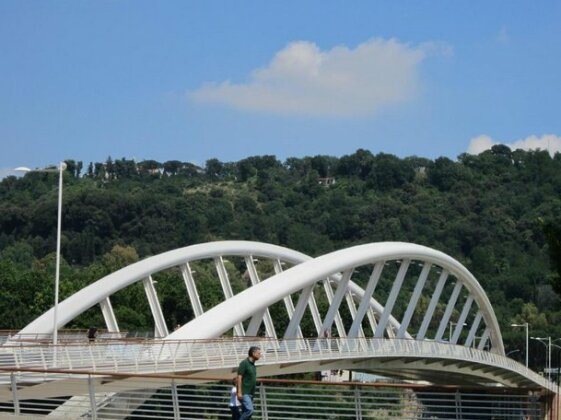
96, 292
221, 318
255, 300
100, 291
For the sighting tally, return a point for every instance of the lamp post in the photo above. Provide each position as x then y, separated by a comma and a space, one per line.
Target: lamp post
512, 352
558, 360
60, 169
547, 345
525, 325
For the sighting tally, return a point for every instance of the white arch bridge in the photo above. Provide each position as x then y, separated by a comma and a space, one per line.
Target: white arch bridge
396, 309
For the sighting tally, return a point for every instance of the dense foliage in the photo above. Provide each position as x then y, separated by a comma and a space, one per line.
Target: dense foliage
495, 212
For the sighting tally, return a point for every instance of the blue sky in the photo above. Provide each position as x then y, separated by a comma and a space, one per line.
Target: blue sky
194, 80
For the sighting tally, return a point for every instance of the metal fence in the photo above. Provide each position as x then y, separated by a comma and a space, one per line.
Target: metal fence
66, 336
147, 397
157, 356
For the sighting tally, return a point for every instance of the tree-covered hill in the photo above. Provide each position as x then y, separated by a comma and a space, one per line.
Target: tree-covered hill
489, 211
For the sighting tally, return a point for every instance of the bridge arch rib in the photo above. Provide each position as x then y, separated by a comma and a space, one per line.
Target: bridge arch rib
219, 319
454, 285
101, 290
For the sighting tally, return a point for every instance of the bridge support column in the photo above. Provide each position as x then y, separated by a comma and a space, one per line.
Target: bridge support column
364, 304
458, 403
93, 401
175, 401
227, 289
432, 305
160, 327
396, 287
263, 402
15, 399
194, 298
109, 315
358, 407
288, 303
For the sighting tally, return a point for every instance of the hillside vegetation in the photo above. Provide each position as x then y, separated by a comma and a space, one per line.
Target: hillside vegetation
494, 212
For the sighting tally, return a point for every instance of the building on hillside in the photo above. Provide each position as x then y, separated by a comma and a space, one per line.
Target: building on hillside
327, 181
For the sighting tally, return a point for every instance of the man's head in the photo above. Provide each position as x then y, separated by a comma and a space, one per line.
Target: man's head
254, 352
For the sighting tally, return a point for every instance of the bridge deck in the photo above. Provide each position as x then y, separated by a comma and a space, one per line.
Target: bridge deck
409, 359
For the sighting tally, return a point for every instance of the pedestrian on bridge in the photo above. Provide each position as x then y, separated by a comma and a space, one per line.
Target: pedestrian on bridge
92, 333
247, 380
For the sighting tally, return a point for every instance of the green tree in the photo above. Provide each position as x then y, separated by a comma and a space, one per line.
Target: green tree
214, 169
552, 231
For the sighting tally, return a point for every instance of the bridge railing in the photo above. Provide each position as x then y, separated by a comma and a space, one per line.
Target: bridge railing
176, 397
153, 356
14, 337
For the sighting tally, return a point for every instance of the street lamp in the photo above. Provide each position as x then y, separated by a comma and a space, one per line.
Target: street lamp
60, 169
548, 350
525, 325
558, 360
512, 352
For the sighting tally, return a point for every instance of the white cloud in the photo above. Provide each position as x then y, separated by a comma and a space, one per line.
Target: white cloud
549, 142
5, 172
303, 80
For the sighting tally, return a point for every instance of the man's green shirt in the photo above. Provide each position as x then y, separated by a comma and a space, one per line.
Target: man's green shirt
248, 372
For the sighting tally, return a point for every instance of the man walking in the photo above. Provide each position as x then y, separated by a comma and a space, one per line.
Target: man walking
247, 380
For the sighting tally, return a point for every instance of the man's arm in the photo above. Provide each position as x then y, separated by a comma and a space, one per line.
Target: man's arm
239, 387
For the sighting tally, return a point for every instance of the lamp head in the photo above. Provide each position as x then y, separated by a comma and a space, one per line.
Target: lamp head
52, 168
